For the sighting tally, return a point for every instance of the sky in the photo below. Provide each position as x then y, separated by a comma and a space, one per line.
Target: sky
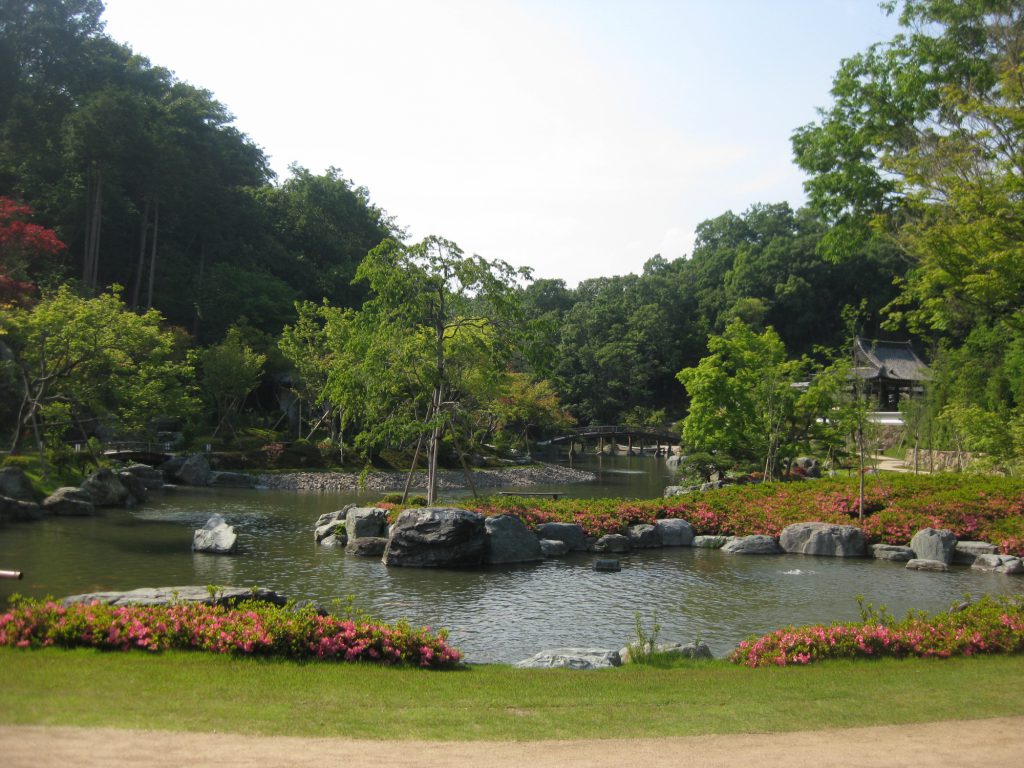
575, 137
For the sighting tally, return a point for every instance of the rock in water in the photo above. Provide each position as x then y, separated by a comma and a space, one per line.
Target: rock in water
570, 533
675, 533
824, 539
510, 541
436, 537
758, 544
934, 544
216, 537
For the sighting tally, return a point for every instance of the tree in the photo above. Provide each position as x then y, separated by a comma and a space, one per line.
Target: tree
742, 399
229, 371
925, 141
426, 300
80, 360
23, 245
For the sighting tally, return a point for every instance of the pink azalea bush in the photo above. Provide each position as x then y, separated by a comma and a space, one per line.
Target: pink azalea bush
251, 628
896, 506
991, 625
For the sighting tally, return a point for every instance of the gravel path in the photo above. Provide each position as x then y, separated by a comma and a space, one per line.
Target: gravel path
965, 744
534, 474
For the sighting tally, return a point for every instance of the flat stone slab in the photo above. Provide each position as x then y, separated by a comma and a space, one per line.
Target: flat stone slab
184, 594
572, 658
918, 564
965, 552
710, 542
1007, 564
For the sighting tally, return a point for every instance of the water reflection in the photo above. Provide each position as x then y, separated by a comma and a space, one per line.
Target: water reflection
494, 614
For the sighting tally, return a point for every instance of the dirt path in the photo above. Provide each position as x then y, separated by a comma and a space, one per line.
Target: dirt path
963, 744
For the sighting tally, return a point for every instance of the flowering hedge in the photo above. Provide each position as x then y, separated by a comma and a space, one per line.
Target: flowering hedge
973, 507
992, 625
251, 628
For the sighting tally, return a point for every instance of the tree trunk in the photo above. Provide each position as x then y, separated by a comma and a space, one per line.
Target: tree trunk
199, 291
94, 220
141, 266
152, 256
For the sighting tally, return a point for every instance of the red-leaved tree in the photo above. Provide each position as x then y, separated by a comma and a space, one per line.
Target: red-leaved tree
22, 244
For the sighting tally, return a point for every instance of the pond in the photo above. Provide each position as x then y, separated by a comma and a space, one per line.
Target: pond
497, 614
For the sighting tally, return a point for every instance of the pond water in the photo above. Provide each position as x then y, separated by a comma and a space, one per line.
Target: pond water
496, 614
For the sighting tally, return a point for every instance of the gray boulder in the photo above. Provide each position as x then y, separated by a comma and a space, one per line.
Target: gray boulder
553, 547
135, 486
995, 563
508, 540
361, 522
70, 501
696, 650
643, 536
570, 533
823, 539
230, 480
572, 658
332, 524
195, 470
152, 479
676, 490
710, 542
367, 546
436, 537
921, 564
106, 489
966, 551
612, 542
758, 544
18, 511
675, 533
334, 541
934, 544
894, 552
216, 537
14, 484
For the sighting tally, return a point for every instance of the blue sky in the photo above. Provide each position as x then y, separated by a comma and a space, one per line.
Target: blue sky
578, 138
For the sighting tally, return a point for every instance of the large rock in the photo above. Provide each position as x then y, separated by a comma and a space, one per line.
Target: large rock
824, 539
332, 525
216, 537
894, 552
195, 470
966, 551
923, 564
758, 544
70, 501
1007, 564
572, 658
675, 533
14, 484
553, 548
934, 544
612, 542
508, 540
809, 465
226, 596
106, 489
643, 536
367, 546
710, 542
152, 479
135, 486
436, 537
570, 533
18, 511
362, 522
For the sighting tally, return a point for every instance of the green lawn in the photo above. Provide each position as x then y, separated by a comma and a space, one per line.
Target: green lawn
202, 692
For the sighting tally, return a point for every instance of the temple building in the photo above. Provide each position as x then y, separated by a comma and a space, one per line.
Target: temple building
891, 371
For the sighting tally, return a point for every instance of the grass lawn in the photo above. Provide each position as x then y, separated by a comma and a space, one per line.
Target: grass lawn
204, 692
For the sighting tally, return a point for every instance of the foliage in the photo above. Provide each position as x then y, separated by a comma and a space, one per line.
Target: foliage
23, 245
229, 371
896, 506
78, 359
251, 628
991, 625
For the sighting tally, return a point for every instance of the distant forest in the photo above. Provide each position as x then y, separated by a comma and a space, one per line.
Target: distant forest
913, 227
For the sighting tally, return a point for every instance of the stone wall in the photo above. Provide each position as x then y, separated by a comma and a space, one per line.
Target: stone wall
944, 461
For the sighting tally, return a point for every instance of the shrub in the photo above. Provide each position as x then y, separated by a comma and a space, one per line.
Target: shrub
251, 628
991, 625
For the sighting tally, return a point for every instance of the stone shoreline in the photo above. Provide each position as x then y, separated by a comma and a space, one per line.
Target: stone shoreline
534, 474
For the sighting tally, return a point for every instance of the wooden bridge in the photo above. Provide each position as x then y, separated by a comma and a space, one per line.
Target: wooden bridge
617, 434
137, 450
